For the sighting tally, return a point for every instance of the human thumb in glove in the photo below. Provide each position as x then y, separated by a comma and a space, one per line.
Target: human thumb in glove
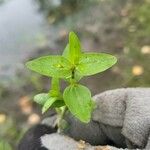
121, 119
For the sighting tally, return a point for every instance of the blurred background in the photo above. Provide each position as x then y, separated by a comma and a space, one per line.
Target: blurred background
32, 28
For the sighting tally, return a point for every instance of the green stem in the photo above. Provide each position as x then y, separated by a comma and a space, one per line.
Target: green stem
60, 112
55, 87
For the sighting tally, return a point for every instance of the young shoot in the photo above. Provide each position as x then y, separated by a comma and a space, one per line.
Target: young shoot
73, 65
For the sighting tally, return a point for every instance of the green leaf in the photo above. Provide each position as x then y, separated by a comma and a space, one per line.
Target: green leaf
74, 48
53, 66
41, 98
77, 75
93, 105
48, 104
44, 97
66, 52
5, 145
78, 100
92, 63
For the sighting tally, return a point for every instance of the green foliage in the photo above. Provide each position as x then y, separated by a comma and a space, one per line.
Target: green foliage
4, 145
77, 98
48, 104
52, 66
41, 98
66, 52
74, 48
55, 91
48, 101
92, 63
71, 67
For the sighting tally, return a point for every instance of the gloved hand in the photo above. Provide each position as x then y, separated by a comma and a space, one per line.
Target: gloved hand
121, 119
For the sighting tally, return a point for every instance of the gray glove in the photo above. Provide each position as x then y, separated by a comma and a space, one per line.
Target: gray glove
122, 119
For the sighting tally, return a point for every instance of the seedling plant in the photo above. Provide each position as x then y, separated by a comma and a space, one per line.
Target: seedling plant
71, 66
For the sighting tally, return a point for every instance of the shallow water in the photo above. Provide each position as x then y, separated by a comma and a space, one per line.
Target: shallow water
22, 27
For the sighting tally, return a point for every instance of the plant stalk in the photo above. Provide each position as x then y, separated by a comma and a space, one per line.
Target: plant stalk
60, 112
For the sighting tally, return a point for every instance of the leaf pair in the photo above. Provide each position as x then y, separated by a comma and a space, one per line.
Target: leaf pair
76, 97
61, 66
51, 99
